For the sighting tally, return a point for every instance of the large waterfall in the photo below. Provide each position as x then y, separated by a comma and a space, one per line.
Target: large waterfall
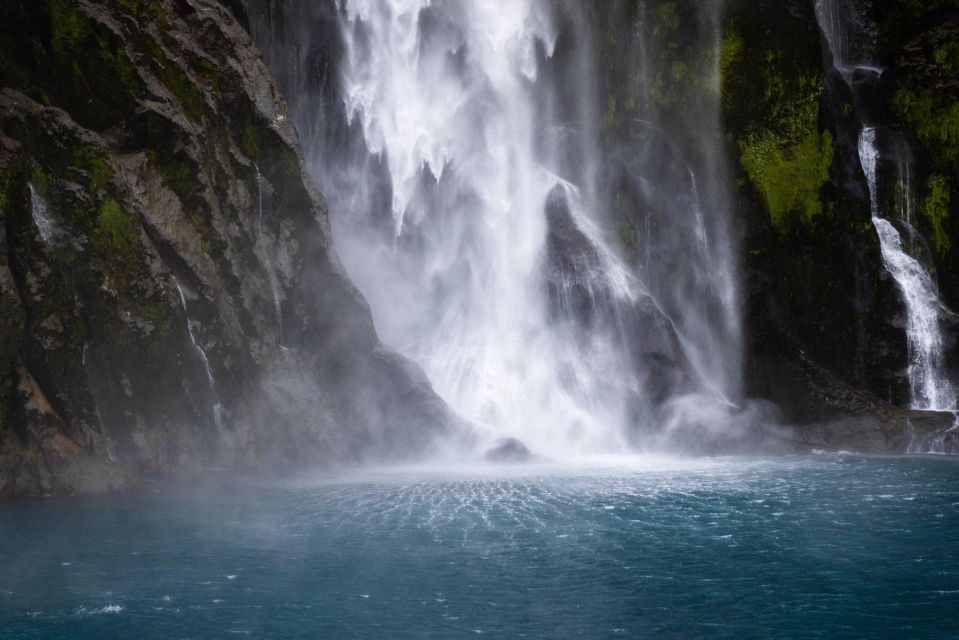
560, 282
849, 35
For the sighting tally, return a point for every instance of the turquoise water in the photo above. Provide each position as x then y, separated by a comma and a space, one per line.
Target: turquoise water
814, 547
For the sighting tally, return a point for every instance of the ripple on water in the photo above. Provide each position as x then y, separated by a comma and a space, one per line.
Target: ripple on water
723, 548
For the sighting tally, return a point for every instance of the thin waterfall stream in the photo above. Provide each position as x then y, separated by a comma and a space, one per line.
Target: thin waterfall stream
848, 33
929, 387
217, 408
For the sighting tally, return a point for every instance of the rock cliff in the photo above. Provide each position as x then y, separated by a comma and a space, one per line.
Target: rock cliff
170, 297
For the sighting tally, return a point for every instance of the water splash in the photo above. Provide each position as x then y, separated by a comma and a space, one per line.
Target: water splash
217, 408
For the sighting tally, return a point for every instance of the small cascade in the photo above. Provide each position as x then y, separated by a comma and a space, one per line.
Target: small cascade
217, 406
269, 253
929, 388
50, 231
851, 36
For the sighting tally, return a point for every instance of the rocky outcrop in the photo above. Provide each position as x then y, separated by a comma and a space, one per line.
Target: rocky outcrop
170, 297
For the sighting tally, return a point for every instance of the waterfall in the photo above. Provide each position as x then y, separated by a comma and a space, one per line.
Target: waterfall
929, 388
850, 37
468, 185
459, 136
217, 408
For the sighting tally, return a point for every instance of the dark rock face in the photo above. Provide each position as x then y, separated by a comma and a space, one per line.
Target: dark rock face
170, 298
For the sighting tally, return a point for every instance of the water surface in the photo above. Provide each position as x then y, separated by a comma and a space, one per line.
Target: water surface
813, 547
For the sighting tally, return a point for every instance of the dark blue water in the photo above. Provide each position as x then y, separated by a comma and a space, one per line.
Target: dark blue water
817, 547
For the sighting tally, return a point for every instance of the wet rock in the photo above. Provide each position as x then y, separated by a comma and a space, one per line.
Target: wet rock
509, 451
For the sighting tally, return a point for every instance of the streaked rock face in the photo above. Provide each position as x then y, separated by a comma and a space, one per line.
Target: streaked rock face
188, 310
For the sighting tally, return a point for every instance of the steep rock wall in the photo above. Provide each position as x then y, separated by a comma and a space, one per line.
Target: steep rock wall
170, 295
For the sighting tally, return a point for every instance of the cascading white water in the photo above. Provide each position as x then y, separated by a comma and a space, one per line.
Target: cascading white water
468, 126
849, 34
217, 408
450, 95
38, 209
929, 387
49, 229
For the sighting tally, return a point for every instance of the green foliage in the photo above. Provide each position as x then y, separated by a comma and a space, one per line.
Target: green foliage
936, 126
935, 206
789, 177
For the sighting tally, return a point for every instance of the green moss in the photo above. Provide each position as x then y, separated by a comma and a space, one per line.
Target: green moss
730, 52
68, 26
936, 125
145, 9
93, 74
947, 56
935, 207
176, 80
116, 238
789, 178
41, 181
94, 162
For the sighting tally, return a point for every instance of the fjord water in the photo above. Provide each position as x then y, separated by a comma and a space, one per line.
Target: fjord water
814, 547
